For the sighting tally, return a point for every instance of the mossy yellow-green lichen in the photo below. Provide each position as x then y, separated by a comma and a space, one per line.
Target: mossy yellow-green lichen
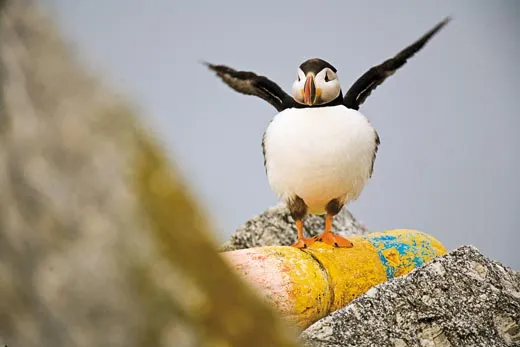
180, 235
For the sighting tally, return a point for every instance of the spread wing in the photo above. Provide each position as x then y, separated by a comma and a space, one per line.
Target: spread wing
362, 88
249, 83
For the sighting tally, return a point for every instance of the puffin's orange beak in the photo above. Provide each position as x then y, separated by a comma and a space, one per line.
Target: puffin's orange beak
311, 94
309, 91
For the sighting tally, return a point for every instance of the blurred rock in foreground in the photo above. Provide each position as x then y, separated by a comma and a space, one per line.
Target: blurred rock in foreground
100, 243
460, 299
276, 227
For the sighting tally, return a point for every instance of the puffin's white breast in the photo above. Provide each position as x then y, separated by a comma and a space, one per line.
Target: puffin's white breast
319, 154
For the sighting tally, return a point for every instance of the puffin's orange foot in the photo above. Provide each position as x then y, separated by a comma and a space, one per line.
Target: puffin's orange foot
304, 243
334, 240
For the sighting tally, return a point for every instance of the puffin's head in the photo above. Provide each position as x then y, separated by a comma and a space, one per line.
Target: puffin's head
316, 83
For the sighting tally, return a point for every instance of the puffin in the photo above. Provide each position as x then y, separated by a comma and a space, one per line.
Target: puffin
319, 150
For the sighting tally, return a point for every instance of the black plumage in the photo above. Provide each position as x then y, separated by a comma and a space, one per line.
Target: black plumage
249, 83
362, 88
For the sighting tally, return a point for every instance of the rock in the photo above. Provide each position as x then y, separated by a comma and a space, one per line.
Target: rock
276, 227
101, 243
459, 299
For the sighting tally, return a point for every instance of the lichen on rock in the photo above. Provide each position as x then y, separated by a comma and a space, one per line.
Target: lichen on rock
101, 243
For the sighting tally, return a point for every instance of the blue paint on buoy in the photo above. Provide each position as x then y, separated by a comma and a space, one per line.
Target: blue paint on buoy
406, 247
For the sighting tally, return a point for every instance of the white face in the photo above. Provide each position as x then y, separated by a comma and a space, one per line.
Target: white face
316, 89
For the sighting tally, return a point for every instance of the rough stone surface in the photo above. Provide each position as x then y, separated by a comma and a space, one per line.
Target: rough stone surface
276, 227
460, 299
100, 241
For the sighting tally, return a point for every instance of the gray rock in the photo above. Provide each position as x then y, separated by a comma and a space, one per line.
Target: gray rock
276, 227
460, 299
101, 243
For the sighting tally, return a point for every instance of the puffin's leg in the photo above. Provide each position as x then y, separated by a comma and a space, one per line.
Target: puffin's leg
328, 237
298, 210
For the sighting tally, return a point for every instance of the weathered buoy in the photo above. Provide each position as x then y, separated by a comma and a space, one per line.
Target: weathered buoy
306, 285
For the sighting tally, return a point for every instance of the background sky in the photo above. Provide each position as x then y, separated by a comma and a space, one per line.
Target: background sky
448, 163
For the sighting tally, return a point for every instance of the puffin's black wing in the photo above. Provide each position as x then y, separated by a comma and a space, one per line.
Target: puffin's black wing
249, 83
362, 88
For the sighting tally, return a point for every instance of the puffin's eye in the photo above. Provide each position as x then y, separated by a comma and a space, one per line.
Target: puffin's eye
330, 75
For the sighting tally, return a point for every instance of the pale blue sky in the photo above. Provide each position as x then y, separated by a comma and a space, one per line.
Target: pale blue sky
448, 120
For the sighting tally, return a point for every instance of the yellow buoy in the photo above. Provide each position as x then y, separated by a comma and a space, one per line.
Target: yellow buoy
306, 285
